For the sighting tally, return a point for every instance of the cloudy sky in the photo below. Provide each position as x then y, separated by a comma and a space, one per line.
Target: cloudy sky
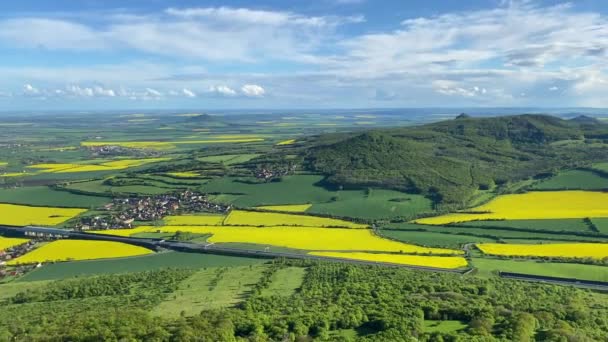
96, 54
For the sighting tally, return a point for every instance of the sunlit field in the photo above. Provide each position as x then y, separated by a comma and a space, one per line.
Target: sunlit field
562, 250
106, 166
292, 208
532, 205
166, 145
286, 142
183, 174
21, 215
305, 238
252, 218
63, 250
412, 260
10, 242
194, 220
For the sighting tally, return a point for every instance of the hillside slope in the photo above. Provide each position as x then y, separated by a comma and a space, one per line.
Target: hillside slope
449, 160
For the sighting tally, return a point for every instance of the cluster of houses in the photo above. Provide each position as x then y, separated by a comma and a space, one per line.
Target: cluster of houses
122, 212
12, 253
268, 174
113, 150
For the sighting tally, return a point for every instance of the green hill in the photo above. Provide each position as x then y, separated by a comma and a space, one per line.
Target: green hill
450, 160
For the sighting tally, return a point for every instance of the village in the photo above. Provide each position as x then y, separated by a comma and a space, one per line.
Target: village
123, 212
12, 253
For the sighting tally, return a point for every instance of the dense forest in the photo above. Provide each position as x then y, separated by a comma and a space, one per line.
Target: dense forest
379, 303
450, 160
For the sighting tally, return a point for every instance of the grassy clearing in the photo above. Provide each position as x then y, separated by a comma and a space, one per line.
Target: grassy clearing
292, 208
574, 180
136, 264
67, 250
11, 289
43, 195
411, 260
265, 219
493, 233
561, 250
564, 225
532, 205
19, 215
228, 159
433, 239
490, 267
373, 204
211, 288
285, 282
443, 326
194, 220
601, 224
291, 189
603, 167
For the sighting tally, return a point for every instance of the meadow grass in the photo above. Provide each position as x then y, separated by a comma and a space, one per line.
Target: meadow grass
411, 260
285, 281
433, 239
561, 250
211, 288
135, 264
43, 195
292, 208
574, 179
489, 267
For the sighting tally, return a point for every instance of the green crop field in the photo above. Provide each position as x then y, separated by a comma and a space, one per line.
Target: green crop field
228, 159
489, 267
290, 190
495, 233
285, 281
45, 196
601, 224
573, 179
561, 225
135, 264
603, 167
373, 204
211, 288
433, 239
443, 326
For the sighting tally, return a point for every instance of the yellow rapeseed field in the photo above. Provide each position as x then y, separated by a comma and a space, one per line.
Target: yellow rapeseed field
63, 250
292, 208
412, 260
194, 220
533, 205
286, 142
253, 218
20, 215
187, 174
10, 242
105, 166
306, 238
564, 250
165, 145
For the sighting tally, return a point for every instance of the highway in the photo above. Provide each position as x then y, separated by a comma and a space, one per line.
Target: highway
157, 244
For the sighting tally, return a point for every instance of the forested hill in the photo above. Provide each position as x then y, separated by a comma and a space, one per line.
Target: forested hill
450, 160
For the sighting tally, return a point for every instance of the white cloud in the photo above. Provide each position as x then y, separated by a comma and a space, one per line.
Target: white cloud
253, 90
29, 89
554, 88
222, 90
188, 92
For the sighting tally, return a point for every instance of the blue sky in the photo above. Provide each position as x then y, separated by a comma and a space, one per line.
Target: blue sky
108, 54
